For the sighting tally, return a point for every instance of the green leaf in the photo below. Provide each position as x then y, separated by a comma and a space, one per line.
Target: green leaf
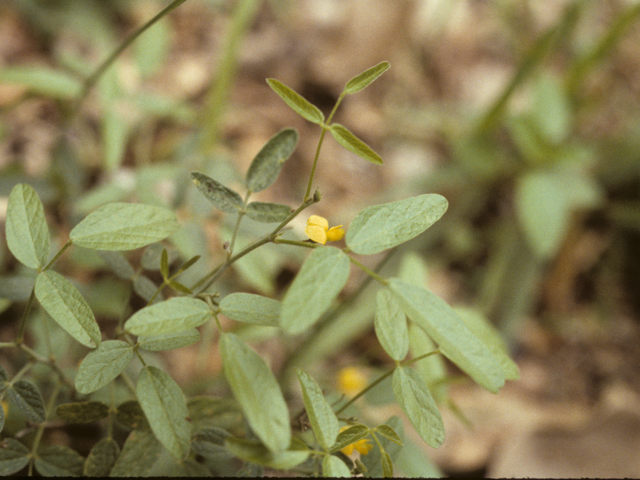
26, 396
432, 368
361, 81
164, 264
130, 415
26, 228
417, 403
145, 287
268, 212
391, 326
222, 197
481, 328
250, 308
387, 465
352, 143
173, 315
2, 415
65, 304
320, 280
178, 287
454, 339
373, 461
165, 407
257, 392
43, 81
59, 461
349, 436
209, 442
255, 452
14, 456
381, 227
390, 433
332, 466
82, 412
139, 452
323, 421
169, 341
118, 264
124, 226
102, 365
102, 458
266, 165
296, 102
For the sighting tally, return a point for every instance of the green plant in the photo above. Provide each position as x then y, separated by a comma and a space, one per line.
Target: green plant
157, 411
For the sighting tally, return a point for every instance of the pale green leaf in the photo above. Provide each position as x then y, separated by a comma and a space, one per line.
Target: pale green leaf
373, 461
361, 81
268, 212
387, 465
417, 403
173, 315
381, 227
124, 226
118, 264
352, 143
350, 435
42, 81
323, 421
116, 131
391, 326
169, 341
145, 287
14, 456
26, 228
551, 109
102, 365
101, 458
139, 452
255, 452
165, 407
333, 467
59, 461
222, 197
454, 339
250, 308
67, 307
257, 391
432, 368
82, 412
266, 165
27, 398
320, 280
296, 102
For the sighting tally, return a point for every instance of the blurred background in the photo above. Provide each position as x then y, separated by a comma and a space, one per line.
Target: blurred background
523, 114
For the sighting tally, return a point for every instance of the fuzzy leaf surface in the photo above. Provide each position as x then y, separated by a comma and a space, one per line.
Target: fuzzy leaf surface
268, 212
26, 396
391, 326
14, 456
173, 315
323, 421
102, 365
255, 452
296, 102
250, 308
222, 197
266, 165
169, 341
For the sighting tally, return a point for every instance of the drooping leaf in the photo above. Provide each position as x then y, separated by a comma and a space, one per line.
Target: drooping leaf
139, 452
320, 280
26, 228
268, 212
124, 226
361, 81
173, 315
42, 81
165, 407
380, 227
82, 412
255, 452
222, 197
417, 403
14, 456
352, 143
169, 341
26, 396
250, 308
387, 465
102, 365
323, 421
266, 165
102, 458
64, 303
296, 102
59, 461
454, 339
391, 326
390, 433
349, 436
257, 391
332, 466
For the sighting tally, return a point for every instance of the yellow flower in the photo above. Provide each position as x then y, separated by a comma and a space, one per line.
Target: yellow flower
363, 446
351, 380
5, 406
318, 230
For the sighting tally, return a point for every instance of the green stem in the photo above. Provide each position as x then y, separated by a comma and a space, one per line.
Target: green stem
49, 409
237, 225
57, 256
368, 271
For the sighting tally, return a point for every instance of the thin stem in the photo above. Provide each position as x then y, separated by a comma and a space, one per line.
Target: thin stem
57, 255
368, 271
297, 243
237, 225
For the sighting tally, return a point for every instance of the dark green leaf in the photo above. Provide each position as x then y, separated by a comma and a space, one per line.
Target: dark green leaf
390, 433
387, 465
178, 287
296, 102
26, 396
268, 212
255, 452
103, 365
349, 436
365, 78
82, 412
209, 443
266, 165
59, 461
102, 458
139, 452
14, 456
323, 421
352, 143
130, 415
222, 197
250, 308
169, 341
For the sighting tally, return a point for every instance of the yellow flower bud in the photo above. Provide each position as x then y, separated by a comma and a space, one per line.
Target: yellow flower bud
318, 230
363, 446
351, 380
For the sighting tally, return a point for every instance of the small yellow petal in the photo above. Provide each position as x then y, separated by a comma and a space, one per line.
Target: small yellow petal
316, 233
348, 450
351, 380
364, 446
319, 221
335, 233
